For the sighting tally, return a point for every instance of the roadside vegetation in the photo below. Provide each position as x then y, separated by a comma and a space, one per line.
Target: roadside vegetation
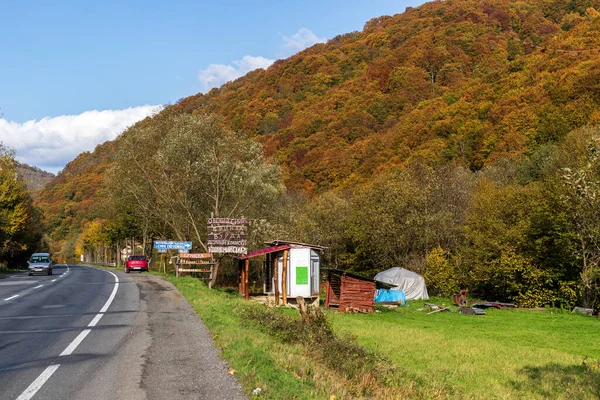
524, 231
401, 353
20, 227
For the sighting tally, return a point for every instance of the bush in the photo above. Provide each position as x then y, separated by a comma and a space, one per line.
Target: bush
440, 274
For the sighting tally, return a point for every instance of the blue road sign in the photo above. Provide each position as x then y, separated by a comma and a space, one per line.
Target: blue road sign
169, 244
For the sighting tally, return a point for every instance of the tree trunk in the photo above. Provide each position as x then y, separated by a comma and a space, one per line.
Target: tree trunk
215, 271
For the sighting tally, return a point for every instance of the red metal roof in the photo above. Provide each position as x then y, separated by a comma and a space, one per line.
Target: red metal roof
272, 249
282, 242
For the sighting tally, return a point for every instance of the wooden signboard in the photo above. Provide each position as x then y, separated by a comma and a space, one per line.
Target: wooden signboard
195, 263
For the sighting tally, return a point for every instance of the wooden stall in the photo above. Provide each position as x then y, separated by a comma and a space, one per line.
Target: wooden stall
351, 292
290, 270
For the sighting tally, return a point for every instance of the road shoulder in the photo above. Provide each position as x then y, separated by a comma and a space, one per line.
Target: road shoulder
182, 361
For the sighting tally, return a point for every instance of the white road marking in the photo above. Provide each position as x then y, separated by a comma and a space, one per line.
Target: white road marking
38, 286
76, 342
12, 297
38, 383
95, 320
112, 295
53, 280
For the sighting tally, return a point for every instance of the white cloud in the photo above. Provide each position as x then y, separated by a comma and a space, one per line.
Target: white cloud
218, 74
300, 40
52, 142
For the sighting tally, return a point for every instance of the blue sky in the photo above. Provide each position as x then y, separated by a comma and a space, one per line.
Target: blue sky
66, 58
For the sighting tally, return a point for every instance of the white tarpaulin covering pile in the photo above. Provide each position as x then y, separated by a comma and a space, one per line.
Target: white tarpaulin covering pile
410, 282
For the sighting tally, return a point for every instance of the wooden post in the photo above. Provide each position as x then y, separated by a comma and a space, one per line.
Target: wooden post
302, 308
328, 290
276, 279
284, 287
240, 276
246, 273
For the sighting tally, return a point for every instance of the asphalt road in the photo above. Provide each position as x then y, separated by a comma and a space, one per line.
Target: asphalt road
86, 333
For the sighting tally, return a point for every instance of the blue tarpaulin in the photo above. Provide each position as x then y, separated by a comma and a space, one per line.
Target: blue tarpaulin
390, 296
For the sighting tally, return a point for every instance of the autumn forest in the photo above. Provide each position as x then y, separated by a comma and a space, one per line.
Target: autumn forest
459, 139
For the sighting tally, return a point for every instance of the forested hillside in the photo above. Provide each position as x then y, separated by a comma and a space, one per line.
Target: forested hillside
460, 80
457, 139
74, 198
34, 178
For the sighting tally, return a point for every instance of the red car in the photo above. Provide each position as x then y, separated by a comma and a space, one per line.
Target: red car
136, 262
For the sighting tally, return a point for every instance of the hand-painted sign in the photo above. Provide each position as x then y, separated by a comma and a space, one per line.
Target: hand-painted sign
227, 235
227, 221
198, 263
194, 259
228, 249
195, 255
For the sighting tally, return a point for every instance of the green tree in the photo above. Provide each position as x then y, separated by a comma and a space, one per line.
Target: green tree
19, 221
400, 216
581, 199
324, 220
182, 169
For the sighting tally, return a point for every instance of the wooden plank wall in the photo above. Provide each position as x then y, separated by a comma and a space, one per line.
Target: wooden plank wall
332, 297
356, 295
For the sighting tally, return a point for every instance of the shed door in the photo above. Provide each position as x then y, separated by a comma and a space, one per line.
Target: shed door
314, 273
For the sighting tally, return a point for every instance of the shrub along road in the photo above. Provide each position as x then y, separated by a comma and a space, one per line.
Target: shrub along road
87, 333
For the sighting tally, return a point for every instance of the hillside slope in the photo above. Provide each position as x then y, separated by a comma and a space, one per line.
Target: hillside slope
463, 80
72, 198
34, 178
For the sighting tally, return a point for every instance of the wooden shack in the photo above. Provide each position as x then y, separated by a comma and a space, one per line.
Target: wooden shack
290, 270
351, 292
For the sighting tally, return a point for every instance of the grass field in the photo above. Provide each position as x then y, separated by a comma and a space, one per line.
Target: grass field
506, 354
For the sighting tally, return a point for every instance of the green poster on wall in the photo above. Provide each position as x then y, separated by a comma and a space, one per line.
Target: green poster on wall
301, 275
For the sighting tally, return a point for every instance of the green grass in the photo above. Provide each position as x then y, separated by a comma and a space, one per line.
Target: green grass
506, 354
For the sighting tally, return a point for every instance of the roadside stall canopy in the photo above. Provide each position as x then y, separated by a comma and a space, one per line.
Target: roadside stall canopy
410, 282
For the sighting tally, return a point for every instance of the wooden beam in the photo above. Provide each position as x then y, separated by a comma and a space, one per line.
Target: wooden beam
240, 277
284, 277
327, 293
276, 278
246, 273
